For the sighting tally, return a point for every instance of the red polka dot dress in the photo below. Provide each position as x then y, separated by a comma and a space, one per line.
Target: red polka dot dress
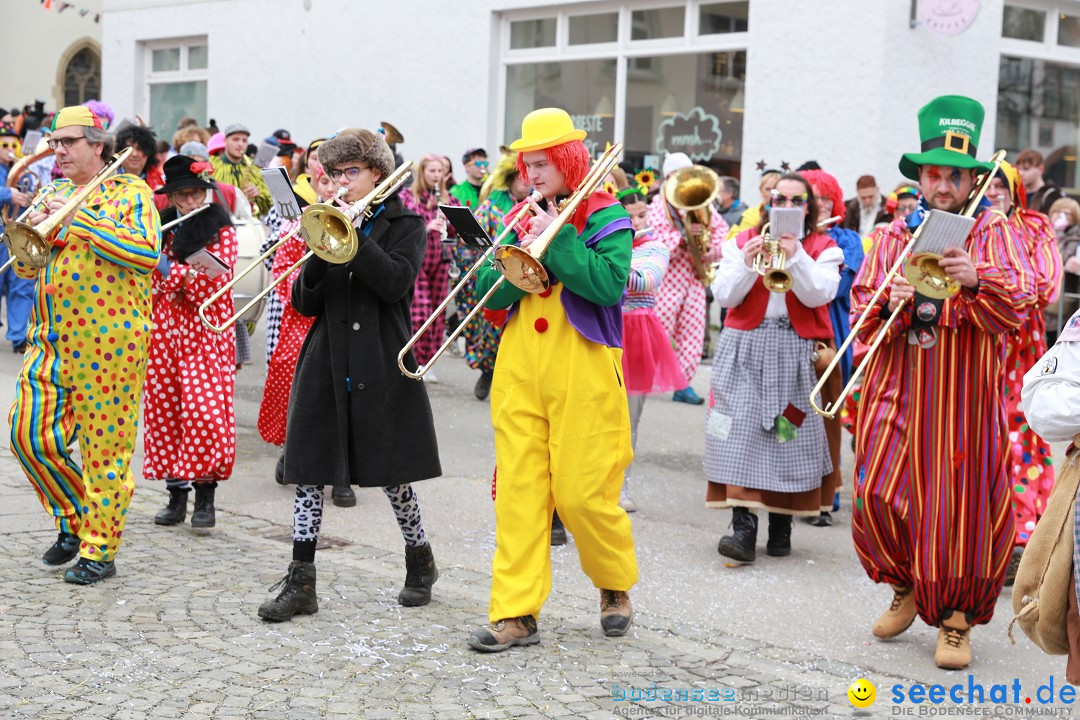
188, 414
274, 408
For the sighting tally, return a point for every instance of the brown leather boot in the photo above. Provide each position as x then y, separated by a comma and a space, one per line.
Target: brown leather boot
616, 613
499, 636
954, 641
899, 616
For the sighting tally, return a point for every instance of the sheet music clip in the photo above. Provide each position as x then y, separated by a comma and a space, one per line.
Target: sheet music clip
467, 226
265, 154
281, 192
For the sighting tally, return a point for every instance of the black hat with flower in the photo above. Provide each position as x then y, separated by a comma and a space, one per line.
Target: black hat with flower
183, 172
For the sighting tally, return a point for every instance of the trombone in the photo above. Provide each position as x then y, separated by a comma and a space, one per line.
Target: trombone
28, 243
328, 232
521, 267
925, 274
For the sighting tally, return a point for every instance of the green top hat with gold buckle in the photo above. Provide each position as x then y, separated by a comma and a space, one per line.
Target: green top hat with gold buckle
949, 128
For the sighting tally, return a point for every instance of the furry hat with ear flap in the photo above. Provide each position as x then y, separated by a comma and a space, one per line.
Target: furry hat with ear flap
355, 145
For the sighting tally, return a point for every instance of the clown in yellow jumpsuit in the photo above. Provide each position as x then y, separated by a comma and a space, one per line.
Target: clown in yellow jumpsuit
83, 372
559, 410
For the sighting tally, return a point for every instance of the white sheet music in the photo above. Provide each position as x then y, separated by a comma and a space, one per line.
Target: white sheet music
207, 263
942, 230
786, 221
277, 182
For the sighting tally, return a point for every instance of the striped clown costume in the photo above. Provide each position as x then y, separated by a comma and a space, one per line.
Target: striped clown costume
932, 498
88, 339
558, 401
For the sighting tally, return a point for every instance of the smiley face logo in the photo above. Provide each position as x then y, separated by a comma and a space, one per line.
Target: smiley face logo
862, 693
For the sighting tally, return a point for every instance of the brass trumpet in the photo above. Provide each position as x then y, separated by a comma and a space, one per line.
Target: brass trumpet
922, 271
327, 231
770, 262
521, 268
29, 244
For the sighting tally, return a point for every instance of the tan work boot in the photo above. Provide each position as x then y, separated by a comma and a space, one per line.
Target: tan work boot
953, 642
506, 633
899, 616
616, 613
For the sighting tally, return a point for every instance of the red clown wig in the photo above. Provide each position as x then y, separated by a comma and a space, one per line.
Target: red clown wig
570, 158
826, 186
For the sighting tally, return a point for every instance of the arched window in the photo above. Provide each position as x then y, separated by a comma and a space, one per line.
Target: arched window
82, 77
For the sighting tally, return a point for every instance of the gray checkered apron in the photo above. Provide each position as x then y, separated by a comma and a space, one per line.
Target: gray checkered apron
756, 374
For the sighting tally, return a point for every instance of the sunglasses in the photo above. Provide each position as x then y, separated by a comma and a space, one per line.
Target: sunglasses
9, 144
778, 199
481, 164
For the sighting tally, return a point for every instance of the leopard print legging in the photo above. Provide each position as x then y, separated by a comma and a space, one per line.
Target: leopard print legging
308, 510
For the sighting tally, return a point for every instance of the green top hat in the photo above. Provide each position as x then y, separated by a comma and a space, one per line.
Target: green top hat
949, 128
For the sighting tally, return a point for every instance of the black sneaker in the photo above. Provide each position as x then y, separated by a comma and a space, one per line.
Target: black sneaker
63, 550
88, 572
483, 385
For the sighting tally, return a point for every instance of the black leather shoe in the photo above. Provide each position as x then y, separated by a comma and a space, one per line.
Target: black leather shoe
741, 545
63, 550
176, 511
343, 496
779, 543
88, 572
279, 470
420, 574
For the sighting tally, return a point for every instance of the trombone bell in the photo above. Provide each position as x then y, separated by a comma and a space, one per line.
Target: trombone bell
27, 244
328, 233
521, 269
924, 272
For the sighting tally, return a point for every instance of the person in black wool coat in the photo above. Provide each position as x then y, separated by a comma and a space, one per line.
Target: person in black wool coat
354, 419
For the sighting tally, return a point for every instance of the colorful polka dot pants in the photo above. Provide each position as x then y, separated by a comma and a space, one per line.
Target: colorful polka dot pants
82, 379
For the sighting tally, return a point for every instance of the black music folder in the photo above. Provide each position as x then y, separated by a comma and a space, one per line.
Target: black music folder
467, 226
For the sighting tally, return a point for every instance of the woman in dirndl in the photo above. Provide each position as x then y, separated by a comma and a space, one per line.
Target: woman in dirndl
764, 446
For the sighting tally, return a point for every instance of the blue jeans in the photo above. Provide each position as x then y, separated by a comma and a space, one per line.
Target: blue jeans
19, 293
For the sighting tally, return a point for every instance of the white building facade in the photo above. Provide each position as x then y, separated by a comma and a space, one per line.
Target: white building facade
50, 54
735, 84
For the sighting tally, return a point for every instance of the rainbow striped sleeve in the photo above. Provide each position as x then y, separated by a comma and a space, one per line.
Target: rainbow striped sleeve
127, 231
647, 267
1006, 292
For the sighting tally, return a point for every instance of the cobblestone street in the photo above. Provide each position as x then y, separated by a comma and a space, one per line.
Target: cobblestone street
175, 635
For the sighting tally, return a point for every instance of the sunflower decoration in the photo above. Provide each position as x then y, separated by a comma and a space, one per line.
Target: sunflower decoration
646, 178
610, 188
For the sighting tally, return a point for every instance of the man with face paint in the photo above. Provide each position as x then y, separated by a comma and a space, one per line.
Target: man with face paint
932, 499
1031, 469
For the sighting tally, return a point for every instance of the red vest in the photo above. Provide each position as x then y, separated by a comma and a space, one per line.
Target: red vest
809, 323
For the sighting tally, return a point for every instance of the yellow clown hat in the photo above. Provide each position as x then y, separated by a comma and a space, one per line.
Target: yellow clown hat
76, 115
544, 128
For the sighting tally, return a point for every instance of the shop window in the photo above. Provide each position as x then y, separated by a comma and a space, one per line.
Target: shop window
657, 23
584, 88
589, 29
1039, 107
1023, 23
1068, 30
532, 33
723, 17
693, 105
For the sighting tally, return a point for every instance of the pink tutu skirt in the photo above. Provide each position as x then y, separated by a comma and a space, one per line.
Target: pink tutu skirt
649, 362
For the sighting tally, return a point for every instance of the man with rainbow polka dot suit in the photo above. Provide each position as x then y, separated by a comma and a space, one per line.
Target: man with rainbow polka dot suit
89, 335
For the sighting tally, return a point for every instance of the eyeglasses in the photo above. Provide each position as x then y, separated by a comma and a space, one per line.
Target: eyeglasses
825, 203
781, 200
349, 173
65, 142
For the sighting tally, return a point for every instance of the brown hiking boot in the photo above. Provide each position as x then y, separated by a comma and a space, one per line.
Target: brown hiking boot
499, 636
899, 616
616, 613
954, 642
